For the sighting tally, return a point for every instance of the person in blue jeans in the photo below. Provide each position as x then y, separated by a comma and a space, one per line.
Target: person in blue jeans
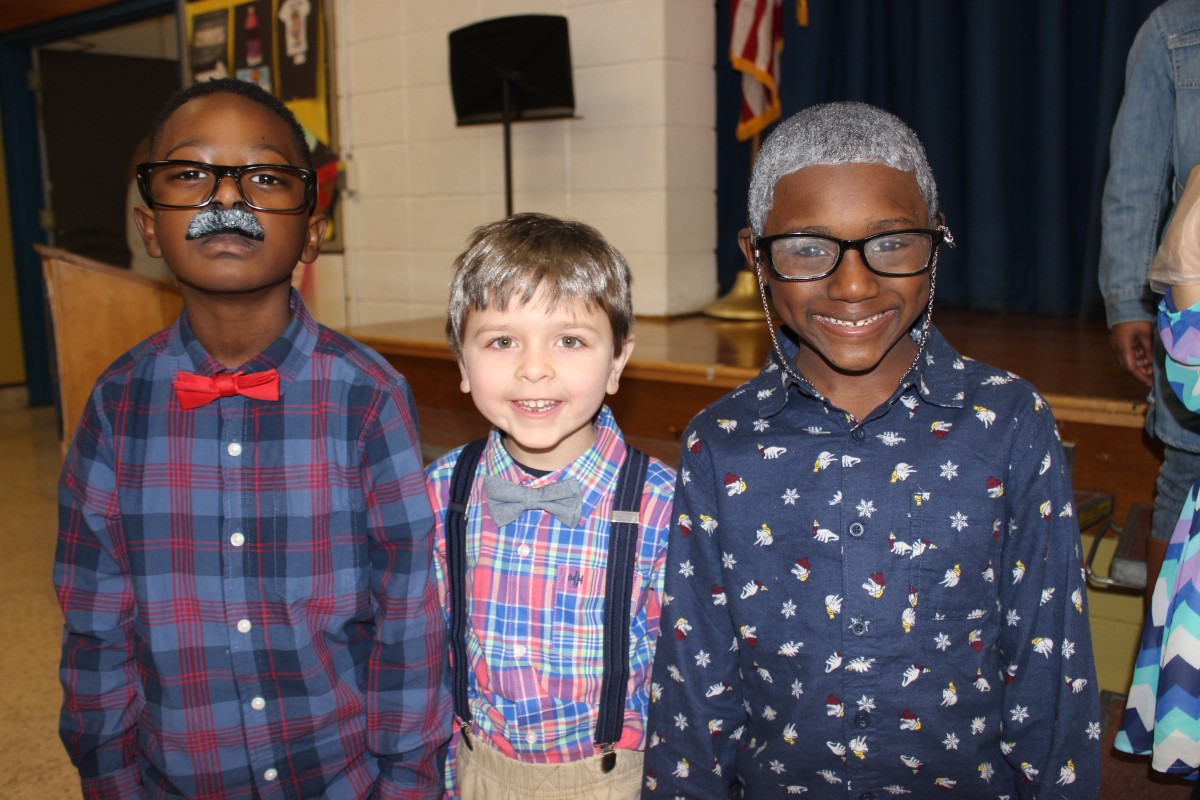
1155, 143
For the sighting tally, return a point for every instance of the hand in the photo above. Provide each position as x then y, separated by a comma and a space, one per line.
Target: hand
1131, 342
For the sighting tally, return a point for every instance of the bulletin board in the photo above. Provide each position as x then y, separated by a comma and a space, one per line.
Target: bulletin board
284, 46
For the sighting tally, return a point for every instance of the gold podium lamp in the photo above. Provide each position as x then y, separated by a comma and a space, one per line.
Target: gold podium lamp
742, 302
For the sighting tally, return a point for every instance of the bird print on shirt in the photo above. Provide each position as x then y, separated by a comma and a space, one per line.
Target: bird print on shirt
874, 573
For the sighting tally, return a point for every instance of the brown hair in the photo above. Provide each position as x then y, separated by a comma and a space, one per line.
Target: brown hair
517, 256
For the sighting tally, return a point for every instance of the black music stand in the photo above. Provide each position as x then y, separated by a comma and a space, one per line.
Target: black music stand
511, 69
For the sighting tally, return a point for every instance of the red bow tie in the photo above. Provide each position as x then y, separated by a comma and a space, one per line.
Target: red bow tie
197, 390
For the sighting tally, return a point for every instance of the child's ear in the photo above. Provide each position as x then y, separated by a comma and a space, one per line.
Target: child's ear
465, 384
314, 235
745, 239
746, 244
618, 366
144, 218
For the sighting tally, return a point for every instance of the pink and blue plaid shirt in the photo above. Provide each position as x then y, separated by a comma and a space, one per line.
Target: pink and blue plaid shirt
247, 586
535, 600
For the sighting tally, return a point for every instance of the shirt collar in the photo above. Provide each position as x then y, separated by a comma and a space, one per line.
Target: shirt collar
937, 375
288, 353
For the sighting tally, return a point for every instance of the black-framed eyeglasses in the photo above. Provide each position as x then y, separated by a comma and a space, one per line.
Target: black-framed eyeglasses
193, 184
810, 256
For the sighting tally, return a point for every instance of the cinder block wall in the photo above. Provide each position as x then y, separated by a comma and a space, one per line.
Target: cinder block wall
638, 162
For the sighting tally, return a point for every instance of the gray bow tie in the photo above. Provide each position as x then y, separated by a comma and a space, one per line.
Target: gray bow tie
507, 500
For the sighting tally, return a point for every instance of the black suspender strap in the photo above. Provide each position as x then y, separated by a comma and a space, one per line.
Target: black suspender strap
623, 537
456, 572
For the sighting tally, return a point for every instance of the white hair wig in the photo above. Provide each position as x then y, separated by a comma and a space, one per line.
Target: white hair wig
837, 133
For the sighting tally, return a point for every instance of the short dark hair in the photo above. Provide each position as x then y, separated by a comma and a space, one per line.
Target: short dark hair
246, 89
515, 257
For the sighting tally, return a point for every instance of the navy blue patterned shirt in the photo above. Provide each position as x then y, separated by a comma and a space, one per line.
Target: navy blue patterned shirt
247, 586
871, 608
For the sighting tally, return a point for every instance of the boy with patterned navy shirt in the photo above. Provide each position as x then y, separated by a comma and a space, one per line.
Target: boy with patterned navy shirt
874, 580
245, 553
540, 324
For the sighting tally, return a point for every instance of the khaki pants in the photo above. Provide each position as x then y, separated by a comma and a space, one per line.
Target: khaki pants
484, 773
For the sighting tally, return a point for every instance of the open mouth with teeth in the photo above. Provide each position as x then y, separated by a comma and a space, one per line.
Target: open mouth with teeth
845, 323
536, 406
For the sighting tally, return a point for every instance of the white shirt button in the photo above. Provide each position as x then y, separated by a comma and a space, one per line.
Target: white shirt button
519, 651
523, 550
237, 540
531, 737
244, 625
258, 704
234, 449
271, 774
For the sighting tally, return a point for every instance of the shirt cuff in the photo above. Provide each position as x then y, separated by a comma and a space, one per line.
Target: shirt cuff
124, 784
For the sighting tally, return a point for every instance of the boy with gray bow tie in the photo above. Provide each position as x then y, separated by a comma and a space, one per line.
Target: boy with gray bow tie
551, 532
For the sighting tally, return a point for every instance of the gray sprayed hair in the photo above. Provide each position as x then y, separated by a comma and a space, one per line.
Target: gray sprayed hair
837, 133
517, 256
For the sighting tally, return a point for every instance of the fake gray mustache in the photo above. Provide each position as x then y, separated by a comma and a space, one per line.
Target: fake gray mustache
211, 221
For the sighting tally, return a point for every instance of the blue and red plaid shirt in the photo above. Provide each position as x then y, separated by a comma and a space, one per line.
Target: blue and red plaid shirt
535, 604
247, 586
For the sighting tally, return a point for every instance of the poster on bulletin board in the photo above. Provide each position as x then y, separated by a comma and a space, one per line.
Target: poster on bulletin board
283, 46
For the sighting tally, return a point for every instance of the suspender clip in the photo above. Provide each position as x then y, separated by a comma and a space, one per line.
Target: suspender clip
608, 757
465, 727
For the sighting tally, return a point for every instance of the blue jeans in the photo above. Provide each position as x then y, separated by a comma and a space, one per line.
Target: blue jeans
1180, 469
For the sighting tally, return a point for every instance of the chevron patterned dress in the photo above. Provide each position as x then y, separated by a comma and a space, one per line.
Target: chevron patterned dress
1162, 713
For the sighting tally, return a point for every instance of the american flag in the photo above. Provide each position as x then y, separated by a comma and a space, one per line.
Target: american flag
755, 42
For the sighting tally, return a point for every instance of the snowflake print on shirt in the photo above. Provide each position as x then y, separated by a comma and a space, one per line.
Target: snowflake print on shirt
882, 620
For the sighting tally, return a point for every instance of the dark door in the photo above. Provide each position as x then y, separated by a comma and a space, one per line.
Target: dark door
96, 109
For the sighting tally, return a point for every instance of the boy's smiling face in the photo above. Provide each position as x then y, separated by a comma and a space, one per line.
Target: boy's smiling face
852, 325
227, 129
539, 373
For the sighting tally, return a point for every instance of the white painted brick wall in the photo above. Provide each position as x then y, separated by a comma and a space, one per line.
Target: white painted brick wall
638, 162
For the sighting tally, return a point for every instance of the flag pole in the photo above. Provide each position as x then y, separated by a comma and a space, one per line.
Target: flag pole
756, 41
742, 302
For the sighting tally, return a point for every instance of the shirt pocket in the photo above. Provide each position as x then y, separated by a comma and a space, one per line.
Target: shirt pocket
949, 612
1184, 49
954, 576
317, 544
575, 655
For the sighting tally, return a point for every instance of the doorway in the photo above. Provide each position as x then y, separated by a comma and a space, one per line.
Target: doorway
113, 99
115, 31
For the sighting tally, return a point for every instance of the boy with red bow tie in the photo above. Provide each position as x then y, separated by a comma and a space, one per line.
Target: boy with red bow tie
244, 555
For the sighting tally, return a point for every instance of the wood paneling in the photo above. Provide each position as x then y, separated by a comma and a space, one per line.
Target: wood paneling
98, 312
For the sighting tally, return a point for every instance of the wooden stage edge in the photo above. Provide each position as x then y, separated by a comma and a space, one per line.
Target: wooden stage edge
1074, 369
682, 364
